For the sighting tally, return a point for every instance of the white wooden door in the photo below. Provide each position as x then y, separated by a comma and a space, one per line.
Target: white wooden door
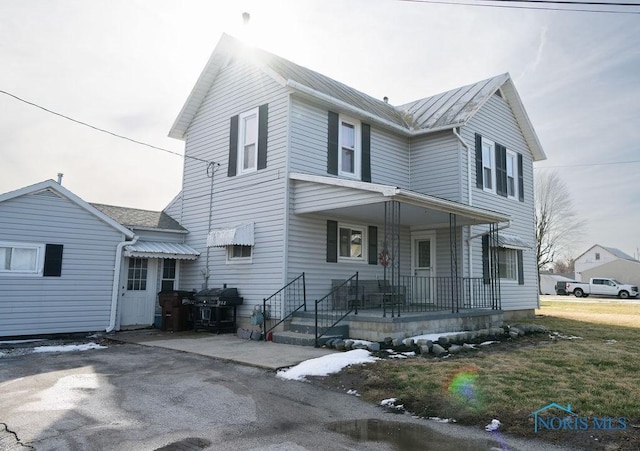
139, 292
423, 257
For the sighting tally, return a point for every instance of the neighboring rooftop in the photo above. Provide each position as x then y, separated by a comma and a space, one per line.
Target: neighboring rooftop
142, 219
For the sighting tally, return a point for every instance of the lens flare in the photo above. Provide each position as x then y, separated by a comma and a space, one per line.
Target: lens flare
463, 386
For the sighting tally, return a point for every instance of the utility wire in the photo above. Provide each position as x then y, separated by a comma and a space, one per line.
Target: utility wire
101, 129
578, 165
540, 8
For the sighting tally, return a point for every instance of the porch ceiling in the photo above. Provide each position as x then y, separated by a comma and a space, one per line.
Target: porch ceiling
364, 202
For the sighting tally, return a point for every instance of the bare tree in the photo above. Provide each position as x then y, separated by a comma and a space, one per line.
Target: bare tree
564, 266
557, 223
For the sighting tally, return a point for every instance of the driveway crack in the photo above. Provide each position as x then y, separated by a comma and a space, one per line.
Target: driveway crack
6, 434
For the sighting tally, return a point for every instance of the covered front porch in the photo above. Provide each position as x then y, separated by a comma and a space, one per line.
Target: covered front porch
397, 261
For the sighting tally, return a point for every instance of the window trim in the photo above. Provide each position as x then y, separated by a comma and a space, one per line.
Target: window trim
39, 262
490, 164
357, 149
242, 117
364, 245
516, 174
513, 263
231, 260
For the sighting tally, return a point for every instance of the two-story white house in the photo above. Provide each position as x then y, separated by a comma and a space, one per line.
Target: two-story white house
287, 171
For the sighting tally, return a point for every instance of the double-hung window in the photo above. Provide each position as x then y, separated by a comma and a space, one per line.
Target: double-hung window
507, 263
498, 169
239, 254
351, 242
512, 174
248, 141
21, 258
488, 172
349, 139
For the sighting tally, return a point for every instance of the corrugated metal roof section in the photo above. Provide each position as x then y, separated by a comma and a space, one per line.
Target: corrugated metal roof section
618, 253
133, 217
325, 85
241, 235
452, 108
157, 249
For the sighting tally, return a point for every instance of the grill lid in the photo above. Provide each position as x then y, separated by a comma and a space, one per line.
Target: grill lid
217, 293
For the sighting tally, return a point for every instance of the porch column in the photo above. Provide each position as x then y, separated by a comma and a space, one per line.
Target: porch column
453, 256
391, 247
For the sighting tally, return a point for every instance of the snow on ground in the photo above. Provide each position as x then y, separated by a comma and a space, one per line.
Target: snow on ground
69, 348
328, 364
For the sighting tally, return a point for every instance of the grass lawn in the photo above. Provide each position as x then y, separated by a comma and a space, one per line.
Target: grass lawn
595, 368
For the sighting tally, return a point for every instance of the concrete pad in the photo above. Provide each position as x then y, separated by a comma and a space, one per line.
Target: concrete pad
228, 347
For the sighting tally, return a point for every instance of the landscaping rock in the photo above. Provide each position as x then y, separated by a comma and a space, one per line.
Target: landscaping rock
438, 350
388, 341
373, 347
410, 342
339, 345
424, 350
455, 349
443, 341
348, 345
397, 342
513, 334
429, 345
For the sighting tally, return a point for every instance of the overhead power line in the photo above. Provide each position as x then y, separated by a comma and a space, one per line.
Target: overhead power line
579, 165
502, 4
102, 130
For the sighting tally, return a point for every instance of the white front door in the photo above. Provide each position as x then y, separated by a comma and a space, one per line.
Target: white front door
137, 304
423, 257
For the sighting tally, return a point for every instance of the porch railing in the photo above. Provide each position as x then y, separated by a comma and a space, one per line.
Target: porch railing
282, 304
336, 305
424, 294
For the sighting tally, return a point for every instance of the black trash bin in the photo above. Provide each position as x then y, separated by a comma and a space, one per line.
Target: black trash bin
175, 311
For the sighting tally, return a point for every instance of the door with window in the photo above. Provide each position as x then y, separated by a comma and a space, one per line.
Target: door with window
423, 267
139, 292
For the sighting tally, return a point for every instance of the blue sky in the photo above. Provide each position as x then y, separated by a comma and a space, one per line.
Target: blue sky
128, 66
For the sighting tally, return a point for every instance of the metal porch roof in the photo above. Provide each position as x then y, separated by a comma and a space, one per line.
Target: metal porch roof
159, 249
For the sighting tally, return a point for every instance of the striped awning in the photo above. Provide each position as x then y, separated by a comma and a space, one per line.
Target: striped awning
241, 235
509, 241
160, 249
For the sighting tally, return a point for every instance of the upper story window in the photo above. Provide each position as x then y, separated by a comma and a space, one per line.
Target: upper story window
248, 141
498, 169
488, 173
597, 255
512, 174
349, 147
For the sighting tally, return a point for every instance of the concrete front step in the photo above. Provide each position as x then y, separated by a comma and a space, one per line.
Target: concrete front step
301, 339
308, 326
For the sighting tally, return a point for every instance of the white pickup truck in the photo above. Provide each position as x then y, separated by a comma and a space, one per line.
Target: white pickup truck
602, 286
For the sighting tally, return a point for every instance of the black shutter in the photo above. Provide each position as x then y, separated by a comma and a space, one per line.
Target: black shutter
263, 120
520, 179
366, 153
332, 241
501, 170
53, 260
486, 273
332, 145
479, 168
233, 147
373, 245
520, 268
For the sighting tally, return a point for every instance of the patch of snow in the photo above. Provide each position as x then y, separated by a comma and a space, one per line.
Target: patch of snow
403, 355
487, 343
388, 401
328, 364
362, 342
353, 392
493, 426
390, 404
610, 342
433, 337
69, 348
554, 335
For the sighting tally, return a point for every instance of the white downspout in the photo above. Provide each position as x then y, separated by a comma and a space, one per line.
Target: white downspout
115, 290
456, 133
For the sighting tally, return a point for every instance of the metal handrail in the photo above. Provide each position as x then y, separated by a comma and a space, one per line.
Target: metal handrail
335, 313
282, 296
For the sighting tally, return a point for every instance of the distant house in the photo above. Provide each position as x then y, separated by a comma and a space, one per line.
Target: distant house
601, 261
288, 171
68, 266
548, 281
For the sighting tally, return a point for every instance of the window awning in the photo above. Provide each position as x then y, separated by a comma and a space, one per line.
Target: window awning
241, 235
509, 241
159, 249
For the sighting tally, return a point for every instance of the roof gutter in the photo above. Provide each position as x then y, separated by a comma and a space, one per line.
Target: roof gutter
348, 107
115, 289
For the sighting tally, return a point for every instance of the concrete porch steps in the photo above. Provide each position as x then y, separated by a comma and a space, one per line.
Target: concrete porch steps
301, 331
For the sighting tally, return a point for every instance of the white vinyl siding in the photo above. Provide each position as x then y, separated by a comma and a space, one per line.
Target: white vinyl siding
436, 167
80, 299
259, 198
496, 122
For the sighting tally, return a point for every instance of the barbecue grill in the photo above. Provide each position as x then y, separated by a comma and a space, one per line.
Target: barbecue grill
215, 309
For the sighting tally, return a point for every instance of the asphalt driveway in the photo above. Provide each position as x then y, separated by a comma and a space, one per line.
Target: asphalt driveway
133, 397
